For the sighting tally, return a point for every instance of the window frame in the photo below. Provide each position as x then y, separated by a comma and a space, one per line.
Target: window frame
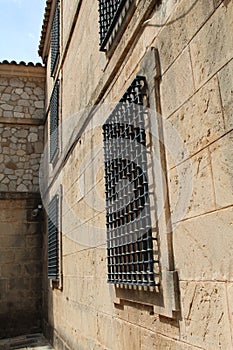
164, 299
130, 239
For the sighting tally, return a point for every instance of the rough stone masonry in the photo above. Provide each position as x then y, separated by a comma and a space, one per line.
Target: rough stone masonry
21, 145
21, 135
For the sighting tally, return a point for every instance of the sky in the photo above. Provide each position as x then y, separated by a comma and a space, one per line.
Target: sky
20, 29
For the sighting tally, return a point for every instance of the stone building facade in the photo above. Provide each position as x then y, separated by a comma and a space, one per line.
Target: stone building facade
137, 250
22, 93
184, 51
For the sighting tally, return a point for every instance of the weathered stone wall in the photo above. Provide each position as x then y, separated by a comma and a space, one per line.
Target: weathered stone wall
21, 128
21, 227
195, 46
20, 265
21, 97
21, 147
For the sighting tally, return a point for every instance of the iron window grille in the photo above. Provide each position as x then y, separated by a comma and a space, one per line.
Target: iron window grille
53, 239
130, 243
111, 16
54, 121
55, 38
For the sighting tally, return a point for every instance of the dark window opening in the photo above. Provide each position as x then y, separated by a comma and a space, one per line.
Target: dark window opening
53, 256
54, 121
55, 38
110, 13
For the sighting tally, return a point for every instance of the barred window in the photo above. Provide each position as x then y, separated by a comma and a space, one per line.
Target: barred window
55, 38
53, 239
130, 242
111, 18
54, 121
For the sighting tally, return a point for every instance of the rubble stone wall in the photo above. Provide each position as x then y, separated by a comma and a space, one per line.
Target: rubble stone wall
21, 231
21, 129
21, 98
20, 154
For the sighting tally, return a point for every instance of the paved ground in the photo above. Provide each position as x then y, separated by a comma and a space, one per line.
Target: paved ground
27, 342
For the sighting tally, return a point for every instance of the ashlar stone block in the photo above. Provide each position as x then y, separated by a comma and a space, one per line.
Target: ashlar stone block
188, 193
152, 340
182, 25
230, 304
205, 315
225, 77
197, 123
203, 247
213, 45
222, 166
177, 84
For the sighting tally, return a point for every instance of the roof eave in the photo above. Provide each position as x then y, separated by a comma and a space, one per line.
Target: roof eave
45, 27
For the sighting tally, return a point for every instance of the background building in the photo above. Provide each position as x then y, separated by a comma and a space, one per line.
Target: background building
21, 231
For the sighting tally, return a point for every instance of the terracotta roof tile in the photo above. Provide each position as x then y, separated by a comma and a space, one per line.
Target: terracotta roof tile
22, 63
45, 26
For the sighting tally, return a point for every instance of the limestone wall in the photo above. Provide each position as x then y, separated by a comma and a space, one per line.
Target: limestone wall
194, 42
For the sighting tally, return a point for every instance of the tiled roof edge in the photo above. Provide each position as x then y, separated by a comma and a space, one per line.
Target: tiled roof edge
22, 63
44, 26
